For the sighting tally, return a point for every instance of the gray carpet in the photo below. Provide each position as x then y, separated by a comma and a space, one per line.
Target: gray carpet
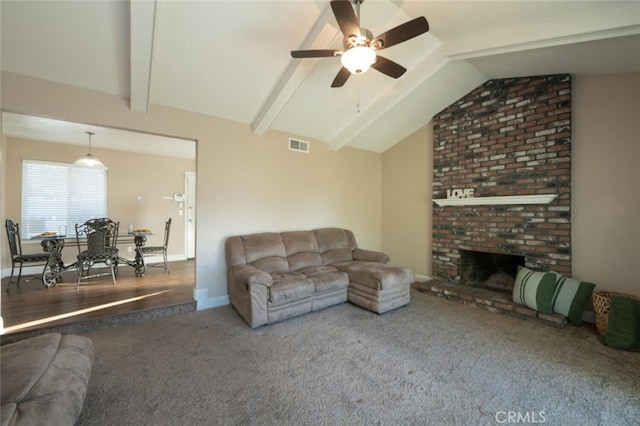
432, 362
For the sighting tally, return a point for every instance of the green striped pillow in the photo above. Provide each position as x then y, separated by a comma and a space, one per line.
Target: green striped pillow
535, 289
571, 297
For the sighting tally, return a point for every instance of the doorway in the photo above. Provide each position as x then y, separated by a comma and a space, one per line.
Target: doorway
47, 139
190, 216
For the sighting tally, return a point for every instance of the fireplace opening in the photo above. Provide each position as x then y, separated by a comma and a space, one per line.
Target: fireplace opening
489, 270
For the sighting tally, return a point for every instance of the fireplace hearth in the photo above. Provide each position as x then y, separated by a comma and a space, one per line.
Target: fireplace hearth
489, 270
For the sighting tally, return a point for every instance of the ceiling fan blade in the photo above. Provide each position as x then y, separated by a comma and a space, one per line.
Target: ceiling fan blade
402, 32
388, 67
346, 17
341, 77
314, 53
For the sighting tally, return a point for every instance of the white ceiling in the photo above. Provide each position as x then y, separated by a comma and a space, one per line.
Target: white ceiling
232, 59
59, 131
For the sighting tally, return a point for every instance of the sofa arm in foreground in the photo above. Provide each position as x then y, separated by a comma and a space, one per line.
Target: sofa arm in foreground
45, 379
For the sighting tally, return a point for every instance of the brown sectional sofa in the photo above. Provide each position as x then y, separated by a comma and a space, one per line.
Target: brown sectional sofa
274, 276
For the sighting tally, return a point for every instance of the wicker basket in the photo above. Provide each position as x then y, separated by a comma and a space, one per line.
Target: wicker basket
601, 306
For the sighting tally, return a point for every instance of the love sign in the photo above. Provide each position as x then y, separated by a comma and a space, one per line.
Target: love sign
460, 193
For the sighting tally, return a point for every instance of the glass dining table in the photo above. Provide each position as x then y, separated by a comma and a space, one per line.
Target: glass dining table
54, 243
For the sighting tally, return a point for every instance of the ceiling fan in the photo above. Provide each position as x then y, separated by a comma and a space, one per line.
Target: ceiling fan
360, 47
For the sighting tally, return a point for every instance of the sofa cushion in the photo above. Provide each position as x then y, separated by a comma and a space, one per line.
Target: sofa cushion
302, 249
335, 245
259, 246
289, 286
299, 241
370, 256
271, 264
326, 278
378, 276
317, 270
336, 255
304, 260
334, 238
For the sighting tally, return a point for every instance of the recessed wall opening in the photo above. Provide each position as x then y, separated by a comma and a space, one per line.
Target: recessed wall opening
489, 270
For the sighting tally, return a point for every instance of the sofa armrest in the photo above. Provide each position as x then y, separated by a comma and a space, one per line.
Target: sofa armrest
370, 255
249, 275
249, 292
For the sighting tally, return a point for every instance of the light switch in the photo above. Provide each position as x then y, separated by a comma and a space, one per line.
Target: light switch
139, 198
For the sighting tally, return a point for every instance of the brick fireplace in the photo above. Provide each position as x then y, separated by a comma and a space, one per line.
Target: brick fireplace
507, 137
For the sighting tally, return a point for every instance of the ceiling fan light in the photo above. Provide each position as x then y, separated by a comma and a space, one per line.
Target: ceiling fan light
358, 59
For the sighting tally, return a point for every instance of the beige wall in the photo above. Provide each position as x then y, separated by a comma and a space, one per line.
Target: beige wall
130, 174
4, 248
406, 201
606, 174
245, 183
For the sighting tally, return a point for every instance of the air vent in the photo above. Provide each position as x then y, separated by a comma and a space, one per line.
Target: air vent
297, 145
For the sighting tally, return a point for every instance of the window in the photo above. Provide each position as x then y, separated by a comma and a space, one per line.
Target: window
60, 194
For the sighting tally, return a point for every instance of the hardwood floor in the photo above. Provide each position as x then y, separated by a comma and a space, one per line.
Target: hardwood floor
33, 306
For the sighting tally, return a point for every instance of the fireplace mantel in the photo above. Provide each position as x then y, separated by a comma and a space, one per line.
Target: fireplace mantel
483, 201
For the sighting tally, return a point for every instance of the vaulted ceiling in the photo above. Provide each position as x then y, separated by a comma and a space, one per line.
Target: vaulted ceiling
232, 59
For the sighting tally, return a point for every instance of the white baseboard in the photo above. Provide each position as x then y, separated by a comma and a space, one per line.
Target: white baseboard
26, 271
37, 270
203, 301
423, 278
158, 258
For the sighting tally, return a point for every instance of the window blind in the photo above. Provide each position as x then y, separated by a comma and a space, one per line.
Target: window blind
60, 194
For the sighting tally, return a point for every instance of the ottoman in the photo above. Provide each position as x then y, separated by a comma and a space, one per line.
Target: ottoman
378, 287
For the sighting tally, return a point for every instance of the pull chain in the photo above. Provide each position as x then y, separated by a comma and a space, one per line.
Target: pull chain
358, 2
357, 95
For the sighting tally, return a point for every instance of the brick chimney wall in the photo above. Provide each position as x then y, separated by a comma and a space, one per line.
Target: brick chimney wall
507, 137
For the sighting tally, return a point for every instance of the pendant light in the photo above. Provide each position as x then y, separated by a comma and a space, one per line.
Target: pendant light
89, 160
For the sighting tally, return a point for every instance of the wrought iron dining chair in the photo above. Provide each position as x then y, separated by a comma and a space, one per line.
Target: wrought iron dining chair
158, 249
17, 257
100, 236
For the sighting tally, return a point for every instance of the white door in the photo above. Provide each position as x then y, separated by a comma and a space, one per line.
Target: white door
190, 217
